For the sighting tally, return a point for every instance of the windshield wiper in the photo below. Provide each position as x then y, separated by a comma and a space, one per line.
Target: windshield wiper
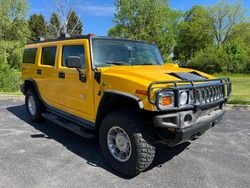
115, 62
146, 64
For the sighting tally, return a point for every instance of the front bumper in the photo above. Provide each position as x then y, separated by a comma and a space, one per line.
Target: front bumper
186, 129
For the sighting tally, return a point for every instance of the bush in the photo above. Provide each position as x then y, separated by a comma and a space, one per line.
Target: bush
210, 60
230, 58
10, 79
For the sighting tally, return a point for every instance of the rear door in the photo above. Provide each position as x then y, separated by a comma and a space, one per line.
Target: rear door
47, 74
74, 96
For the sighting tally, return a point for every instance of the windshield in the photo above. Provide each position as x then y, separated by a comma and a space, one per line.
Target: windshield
110, 52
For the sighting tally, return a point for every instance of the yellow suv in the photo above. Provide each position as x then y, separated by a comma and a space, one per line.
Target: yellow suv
122, 91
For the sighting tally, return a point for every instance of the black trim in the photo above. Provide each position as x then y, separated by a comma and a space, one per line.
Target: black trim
39, 71
106, 95
80, 121
192, 85
98, 77
137, 99
61, 39
22, 89
88, 37
61, 75
73, 118
76, 128
182, 135
189, 76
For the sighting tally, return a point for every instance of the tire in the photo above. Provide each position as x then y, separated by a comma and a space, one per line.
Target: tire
141, 141
35, 114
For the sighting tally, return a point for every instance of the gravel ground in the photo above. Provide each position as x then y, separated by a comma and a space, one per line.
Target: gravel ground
46, 155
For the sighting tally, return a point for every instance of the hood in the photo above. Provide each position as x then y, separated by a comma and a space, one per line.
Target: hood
151, 73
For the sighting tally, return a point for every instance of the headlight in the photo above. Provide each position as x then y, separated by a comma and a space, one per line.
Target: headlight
183, 98
165, 100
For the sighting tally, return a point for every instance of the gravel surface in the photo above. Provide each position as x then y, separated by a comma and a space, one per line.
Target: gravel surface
46, 155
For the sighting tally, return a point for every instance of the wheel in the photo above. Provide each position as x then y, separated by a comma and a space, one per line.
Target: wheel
33, 105
126, 143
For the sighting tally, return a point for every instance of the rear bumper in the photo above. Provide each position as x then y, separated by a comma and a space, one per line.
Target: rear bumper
184, 132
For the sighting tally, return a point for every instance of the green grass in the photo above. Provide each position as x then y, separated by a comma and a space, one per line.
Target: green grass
17, 93
240, 88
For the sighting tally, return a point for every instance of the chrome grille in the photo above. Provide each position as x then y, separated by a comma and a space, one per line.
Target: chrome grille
209, 94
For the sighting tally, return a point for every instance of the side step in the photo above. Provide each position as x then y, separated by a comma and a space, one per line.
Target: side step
81, 131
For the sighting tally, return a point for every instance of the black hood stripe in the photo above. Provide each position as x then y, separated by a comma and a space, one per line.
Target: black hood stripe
192, 76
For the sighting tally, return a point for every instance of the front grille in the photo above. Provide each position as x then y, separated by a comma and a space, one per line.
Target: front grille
209, 94
202, 91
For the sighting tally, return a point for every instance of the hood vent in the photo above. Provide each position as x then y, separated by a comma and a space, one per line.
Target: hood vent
192, 76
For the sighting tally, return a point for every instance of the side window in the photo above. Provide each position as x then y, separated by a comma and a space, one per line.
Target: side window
49, 56
73, 50
29, 55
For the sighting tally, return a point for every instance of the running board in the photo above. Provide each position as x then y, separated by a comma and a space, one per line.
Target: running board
63, 122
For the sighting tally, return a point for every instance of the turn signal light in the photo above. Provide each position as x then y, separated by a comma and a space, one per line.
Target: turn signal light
140, 92
167, 100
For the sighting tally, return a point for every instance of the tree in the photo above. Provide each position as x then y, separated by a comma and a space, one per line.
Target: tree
14, 31
225, 16
54, 26
148, 20
37, 26
63, 11
74, 26
195, 33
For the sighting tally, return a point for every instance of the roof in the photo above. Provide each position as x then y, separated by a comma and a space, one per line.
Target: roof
45, 40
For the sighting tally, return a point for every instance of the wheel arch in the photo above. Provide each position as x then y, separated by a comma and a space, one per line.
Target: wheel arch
30, 84
114, 100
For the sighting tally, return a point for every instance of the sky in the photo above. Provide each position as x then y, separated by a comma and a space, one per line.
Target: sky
97, 15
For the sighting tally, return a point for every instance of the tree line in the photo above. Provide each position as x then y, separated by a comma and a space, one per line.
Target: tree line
212, 38
40, 28
16, 30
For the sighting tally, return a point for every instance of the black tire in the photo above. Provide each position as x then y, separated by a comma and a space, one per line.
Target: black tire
143, 150
39, 107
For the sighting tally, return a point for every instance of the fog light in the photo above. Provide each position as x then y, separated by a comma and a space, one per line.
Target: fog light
187, 120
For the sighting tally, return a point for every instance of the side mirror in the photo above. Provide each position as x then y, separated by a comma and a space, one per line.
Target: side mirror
75, 62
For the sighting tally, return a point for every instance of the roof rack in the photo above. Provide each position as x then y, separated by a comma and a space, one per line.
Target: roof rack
64, 36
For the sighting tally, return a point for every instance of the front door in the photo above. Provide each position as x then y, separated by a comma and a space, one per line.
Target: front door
75, 96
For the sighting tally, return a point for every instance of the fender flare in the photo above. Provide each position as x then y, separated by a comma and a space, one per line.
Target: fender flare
106, 93
34, 84
124, 94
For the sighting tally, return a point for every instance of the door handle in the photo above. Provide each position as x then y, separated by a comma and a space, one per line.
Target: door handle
39, 71
61, 75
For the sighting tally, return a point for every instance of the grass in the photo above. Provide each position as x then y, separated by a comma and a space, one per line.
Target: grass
11, 94
240, 88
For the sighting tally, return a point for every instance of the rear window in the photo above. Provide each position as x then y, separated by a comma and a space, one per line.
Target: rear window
49, 56
29, 55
